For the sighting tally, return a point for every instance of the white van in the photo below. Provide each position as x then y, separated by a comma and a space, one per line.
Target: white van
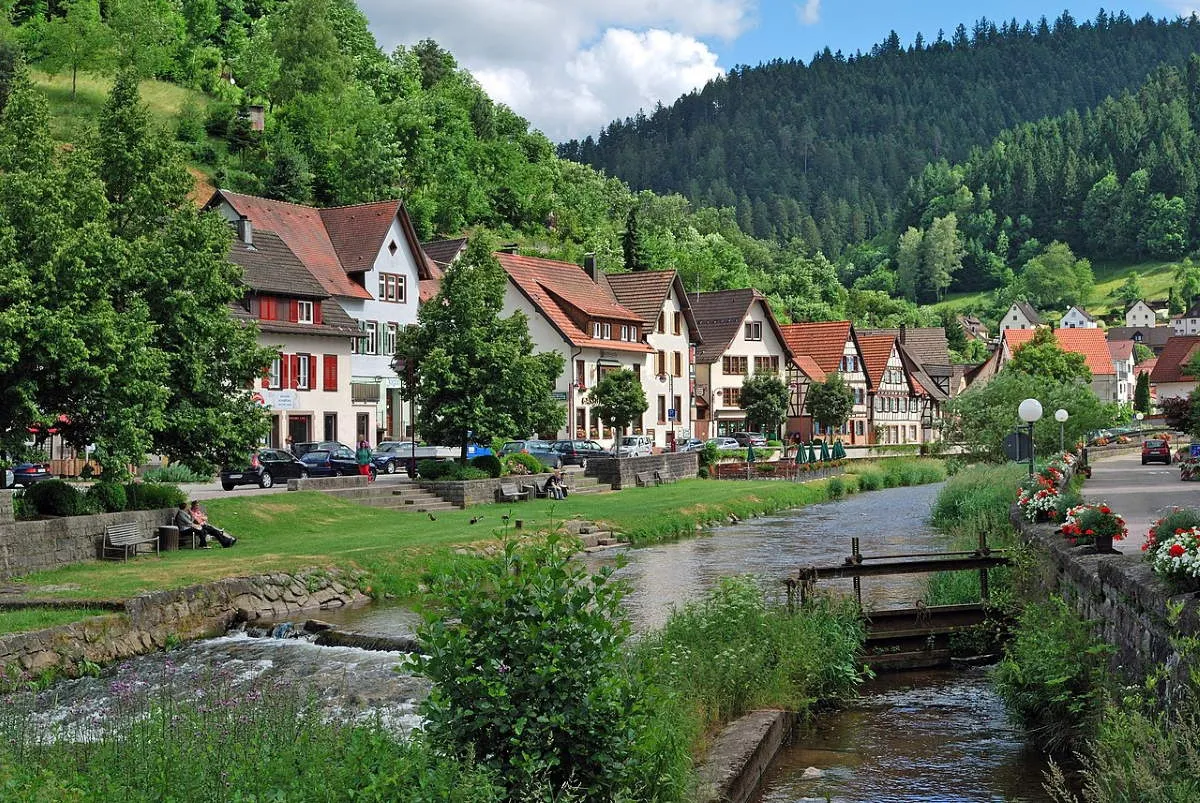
635, 446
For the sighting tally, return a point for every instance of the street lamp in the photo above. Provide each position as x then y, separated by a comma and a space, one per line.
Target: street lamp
1061, 416
670, 378
1029, 411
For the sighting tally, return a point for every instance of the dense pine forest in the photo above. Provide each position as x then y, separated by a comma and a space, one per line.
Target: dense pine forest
824, 150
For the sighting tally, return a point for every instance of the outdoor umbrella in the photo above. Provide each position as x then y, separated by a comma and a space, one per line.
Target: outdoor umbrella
839, 451
824, 451
812, 452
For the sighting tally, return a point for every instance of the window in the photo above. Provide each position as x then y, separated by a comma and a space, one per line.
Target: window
766, 365
608, 331
303, 361
392, 248
859, 428
304, 312
391, 287
581, 374
273, 373
662, 409
371, 341
660, 363
330, 378
677, 318
662, 322
266, 309
677, 368
753, 330
733, 397
733, 365
677, 407
597, 329
389, 341
364, 393
879, 404
625, 333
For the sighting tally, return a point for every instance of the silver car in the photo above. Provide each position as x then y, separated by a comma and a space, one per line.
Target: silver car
724, 443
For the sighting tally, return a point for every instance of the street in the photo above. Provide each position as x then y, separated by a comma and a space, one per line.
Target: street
210, 490
1140, 494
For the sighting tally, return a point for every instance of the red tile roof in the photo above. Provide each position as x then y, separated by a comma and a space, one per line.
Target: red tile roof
1120, 349
823, 342
568, 298
1088, 342
1146, 366
1178, 351
810, 368
876, 350
357, 232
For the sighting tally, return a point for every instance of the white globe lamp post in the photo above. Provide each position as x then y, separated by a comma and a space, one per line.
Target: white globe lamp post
1030, 411
1061, 416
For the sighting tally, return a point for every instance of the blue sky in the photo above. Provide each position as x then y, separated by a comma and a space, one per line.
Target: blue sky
572, 66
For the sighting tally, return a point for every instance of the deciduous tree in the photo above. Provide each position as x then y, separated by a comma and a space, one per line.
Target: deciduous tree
830, 402
79, 41
619, 399
1043, 357
765, 399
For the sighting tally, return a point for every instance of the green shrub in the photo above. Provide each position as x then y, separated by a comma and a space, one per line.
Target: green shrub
525, 652
836, 487
871, 479
108, 497
56, 498
431, 469
152, 496
175, 472
1053, 675
532, 464
702, 472
490, 464
461, 473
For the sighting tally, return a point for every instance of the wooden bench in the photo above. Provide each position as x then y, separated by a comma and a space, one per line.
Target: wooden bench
508, 492
535, 490
645, 479
126, 538
664, 476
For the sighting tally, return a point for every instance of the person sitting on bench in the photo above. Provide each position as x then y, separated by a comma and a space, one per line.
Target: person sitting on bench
188, 527
554, 486
201, 518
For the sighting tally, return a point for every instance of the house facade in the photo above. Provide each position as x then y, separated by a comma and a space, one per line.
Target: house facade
1020, 316
820, 350
669, 328
368, 260
1078, 318
1122, 357
740, 338
1152, 337
570, 313
895, 406
1188, 323
1169, 378
1139, 313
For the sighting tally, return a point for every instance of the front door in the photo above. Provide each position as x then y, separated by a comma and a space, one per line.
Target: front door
362, 427
300, 428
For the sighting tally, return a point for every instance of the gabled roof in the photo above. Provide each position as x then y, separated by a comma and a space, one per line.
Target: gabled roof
927, 344
1178, 351
563, 293
923, 378
1145, 366
823, 343
269, 266
1028, 311
1153, 336
1082, 313
1133, 304
808, 366
334, 322
876, 350
719, 317
357, 232
645, 292
1121, 350
444, 252
1088, 342
1193, 311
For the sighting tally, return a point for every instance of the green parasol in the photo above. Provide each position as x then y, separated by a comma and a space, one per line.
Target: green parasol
824, 451
839, 451
812, 452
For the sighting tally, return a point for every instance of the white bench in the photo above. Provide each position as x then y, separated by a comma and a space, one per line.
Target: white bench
126, 538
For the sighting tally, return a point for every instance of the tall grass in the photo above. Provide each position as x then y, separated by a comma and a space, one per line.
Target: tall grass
897, 472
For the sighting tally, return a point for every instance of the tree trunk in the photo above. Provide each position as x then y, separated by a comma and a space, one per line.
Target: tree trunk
74, 75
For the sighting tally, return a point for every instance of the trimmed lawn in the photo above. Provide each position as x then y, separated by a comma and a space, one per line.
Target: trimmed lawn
26, 619
289, 531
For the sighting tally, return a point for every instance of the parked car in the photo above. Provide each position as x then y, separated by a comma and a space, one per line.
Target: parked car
542, 450
26, 474
635, 446
339, 462
300, 449
723, 443
266, 466
689, 445
577, 453
392, 456
750, 439
1157, 450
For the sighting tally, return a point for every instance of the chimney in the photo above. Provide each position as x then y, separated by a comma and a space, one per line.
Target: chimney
245, 230
589, 265
903, 332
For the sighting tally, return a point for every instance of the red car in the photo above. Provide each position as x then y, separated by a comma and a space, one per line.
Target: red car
1157, 450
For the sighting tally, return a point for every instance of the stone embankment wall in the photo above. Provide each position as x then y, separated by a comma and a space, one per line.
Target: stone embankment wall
32, 546
622, 472
155, 620
462, 493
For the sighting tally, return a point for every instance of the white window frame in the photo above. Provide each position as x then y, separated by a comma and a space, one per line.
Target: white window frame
302, 367
304, 312
389, 340
275, 373
753, 330
393, 287
597, 329
608, 331
372, 338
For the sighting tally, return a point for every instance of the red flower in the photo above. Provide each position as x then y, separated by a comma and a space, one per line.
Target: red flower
1105, 509
1176, 550
1089, 532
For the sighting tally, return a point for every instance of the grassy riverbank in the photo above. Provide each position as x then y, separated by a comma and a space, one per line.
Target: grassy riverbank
286, 532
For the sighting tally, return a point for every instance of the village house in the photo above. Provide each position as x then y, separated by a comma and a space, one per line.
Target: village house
1122, 357
1139, 313
925, 353
1078, 318
669, 328
821, 350
368, 260
570, 312
1169, 378
973, 328
1152, 337
1020, 316
445, 253
1189, 322
1088, 342
894, 403
740, 338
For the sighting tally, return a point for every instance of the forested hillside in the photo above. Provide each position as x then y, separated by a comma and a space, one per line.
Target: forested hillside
824, 150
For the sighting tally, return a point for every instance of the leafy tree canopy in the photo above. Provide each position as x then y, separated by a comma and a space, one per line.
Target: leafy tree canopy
765, 399
618, 398
830, 402
1043, 357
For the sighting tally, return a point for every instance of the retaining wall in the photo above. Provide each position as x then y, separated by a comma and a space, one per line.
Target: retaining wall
152, 621
462, 493
620, 472
32, 546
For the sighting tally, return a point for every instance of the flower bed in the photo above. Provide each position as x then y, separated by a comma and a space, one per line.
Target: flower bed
1089, 524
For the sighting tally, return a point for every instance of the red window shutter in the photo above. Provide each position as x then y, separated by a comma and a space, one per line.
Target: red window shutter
285, 370
295, 360
267, 308
331, 372
312, 373
317, 317
294, 311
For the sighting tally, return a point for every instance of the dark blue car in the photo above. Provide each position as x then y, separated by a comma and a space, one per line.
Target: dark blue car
339, 462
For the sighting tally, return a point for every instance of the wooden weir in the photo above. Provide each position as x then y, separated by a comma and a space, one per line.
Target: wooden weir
907, 638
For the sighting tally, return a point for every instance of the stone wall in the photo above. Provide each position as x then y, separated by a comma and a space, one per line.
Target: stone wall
1120, 594
462, 493
620, 472
6, 507
327, 483
31, 546
152, 621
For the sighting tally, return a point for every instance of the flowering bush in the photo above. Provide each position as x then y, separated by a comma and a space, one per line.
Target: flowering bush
1177, 520
1189, 468
1041, 499
1085, 523
1052, 474
1177, 555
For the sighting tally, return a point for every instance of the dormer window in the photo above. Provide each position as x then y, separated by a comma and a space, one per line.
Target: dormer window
597, 329
753, 330
304, 312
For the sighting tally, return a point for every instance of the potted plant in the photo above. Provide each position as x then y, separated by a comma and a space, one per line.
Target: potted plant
1038, 503
1098, 525
1176, 557
1189, 469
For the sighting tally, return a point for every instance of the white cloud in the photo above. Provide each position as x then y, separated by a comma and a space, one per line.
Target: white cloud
572, 66
810, 12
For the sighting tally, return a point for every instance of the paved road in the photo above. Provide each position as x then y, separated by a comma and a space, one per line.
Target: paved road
1139, 493
211, 490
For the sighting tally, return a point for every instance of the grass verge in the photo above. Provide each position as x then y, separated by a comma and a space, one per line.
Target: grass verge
22, 620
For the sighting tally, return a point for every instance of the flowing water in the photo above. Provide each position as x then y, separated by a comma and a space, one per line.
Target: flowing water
925, 737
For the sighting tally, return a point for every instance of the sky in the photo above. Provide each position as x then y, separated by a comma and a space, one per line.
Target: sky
572, 66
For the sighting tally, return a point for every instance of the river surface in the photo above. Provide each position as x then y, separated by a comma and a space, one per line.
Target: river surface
924, 737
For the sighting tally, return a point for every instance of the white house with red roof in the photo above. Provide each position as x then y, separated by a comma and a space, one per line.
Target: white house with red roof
1170, 378
569, 312
368, 259
896, 408
820, 350
1121, 352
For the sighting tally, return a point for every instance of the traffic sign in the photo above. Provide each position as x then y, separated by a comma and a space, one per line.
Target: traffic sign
671, 414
